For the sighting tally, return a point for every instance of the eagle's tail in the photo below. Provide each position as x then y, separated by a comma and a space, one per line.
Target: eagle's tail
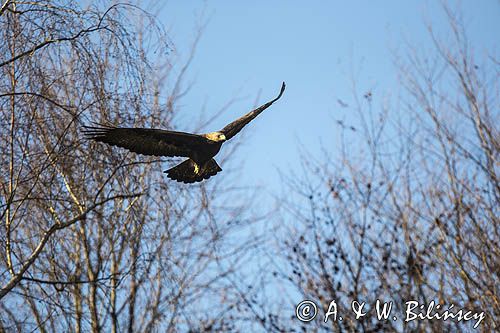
190, 172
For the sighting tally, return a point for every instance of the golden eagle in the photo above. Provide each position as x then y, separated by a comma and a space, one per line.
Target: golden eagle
200, 148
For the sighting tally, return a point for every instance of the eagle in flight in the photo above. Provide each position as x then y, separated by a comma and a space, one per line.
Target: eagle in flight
199, 148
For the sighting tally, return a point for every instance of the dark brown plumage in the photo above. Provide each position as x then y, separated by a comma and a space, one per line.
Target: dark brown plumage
200, 148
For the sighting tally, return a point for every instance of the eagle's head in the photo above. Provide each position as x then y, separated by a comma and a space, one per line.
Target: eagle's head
215, 136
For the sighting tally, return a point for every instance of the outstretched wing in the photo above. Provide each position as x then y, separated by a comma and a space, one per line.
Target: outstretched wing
233, 128
148, 141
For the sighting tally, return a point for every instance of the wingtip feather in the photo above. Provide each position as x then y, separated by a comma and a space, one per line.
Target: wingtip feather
283, 86
96, 132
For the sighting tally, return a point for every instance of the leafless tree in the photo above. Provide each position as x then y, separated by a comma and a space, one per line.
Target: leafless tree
94, 238
408, 209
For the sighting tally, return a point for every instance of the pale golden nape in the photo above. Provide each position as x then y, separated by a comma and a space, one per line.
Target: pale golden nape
215, 136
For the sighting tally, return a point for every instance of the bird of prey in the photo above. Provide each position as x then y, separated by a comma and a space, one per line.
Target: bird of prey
199, 148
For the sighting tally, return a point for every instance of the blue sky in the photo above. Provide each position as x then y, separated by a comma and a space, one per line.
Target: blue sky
248, 48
